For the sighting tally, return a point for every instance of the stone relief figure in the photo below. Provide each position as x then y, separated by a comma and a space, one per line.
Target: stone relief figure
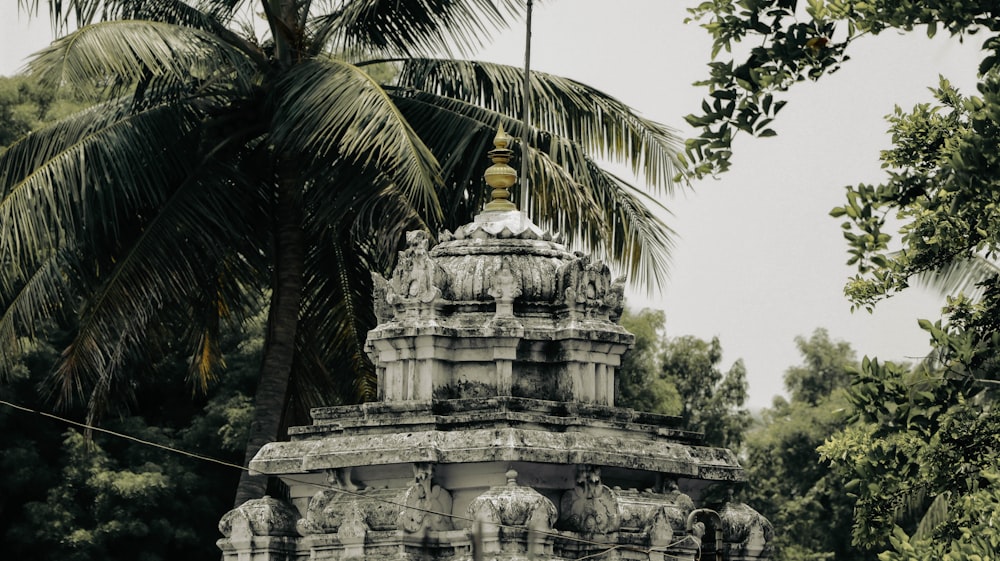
615, 299
504, 290
697, 534
660, 531
325, 511
426, 504
380, 297
352, 532
417, 277
673, 492
586, 286
590, 507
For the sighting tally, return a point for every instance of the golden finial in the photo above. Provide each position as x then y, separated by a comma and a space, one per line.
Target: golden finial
500, 176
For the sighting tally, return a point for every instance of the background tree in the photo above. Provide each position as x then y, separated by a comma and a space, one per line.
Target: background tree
680, 376
220, 167
788, 483
26, 105
67, 496
827, 366
712, 401
640, 385
923, 460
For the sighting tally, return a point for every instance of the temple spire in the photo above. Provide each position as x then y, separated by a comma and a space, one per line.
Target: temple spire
500, 176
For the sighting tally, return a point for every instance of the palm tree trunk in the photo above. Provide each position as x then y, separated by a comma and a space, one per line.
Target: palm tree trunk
279, 347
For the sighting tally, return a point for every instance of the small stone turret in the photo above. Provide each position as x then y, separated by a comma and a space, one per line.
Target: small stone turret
498, 308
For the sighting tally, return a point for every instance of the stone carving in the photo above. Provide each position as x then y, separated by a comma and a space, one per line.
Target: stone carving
384, 311
325, 511
590, 507
352, 532
514, 505
697, 534
615, 299
660, 530
675, 496
586, 288
266, 516
648, 511
416, 278
426, 506
746, 533
504, 290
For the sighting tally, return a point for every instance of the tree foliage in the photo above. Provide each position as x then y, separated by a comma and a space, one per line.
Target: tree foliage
761, 48
70, 496
219, 169
26, 105
788, 482
827, 365
712, 401
924, 450
640, 383
922, 458
681, 376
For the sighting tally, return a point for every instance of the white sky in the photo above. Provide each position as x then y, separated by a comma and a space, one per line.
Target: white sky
759, 261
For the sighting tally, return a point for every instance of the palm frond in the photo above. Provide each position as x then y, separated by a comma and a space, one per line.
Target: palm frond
337, 314
936, 514
79, 176
605, 127
173, 259
379, 214
123, 53
67, 13
230, 299
641, 241
569, 192
410, 27
961, 275
329, 110
30, 301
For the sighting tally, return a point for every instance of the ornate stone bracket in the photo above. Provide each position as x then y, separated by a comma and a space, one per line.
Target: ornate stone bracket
426, 505
746, 534
590, 507
259, 529
503, 513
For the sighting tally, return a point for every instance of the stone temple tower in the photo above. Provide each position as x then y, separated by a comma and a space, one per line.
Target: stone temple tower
495, 435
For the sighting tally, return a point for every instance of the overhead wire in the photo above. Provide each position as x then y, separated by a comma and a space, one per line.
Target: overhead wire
472, 521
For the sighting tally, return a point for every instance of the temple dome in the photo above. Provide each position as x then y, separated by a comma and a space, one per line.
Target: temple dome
500, 261
475, 254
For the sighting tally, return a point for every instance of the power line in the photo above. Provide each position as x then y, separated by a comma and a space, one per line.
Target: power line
125, 436
552, 534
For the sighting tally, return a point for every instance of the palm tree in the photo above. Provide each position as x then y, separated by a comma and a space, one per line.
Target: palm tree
219, 173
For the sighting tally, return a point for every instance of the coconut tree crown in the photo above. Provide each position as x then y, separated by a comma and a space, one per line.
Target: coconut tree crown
219, 173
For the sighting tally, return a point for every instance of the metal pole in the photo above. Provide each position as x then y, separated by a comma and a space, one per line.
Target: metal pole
526, 111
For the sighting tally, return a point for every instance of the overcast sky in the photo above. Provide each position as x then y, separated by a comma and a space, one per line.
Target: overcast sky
758, 261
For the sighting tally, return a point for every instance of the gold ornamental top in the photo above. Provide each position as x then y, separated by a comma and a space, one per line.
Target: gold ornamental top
500, 176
